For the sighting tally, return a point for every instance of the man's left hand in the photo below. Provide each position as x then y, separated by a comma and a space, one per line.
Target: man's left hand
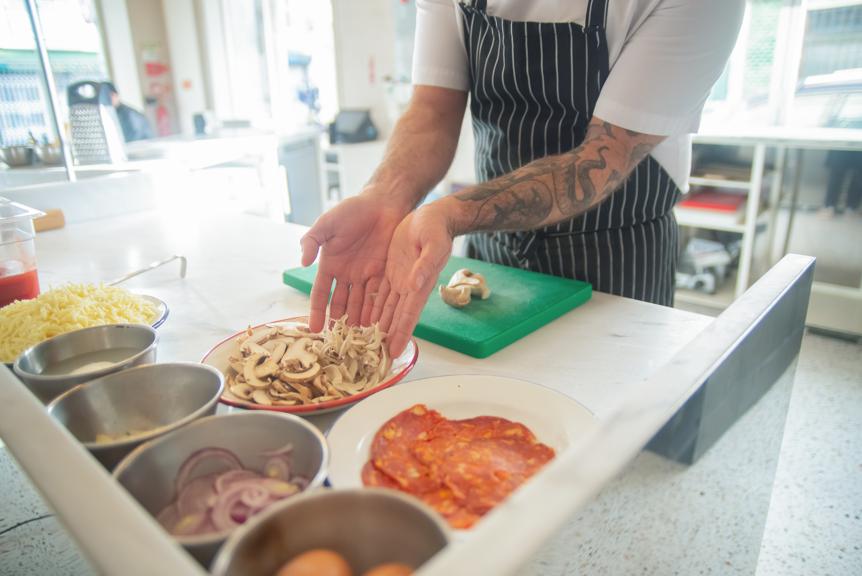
420, 248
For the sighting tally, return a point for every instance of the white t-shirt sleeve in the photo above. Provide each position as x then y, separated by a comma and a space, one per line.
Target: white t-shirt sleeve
668, 65
439, 55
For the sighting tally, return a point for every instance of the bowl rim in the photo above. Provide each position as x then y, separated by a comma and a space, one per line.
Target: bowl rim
150, 434
33, 377
314, 482
220, 562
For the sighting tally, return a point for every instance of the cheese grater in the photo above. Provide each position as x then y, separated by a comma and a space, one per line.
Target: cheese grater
96, 134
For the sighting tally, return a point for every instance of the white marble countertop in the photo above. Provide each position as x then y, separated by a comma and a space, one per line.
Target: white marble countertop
598, 354
234, 279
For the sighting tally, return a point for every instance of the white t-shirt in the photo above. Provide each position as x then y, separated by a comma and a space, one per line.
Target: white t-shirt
665, 55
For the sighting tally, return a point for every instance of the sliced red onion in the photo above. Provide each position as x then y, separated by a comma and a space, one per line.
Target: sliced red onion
221, 501
254, 496
228, 478
222, 516
185, 472
196, 495
277, 467
241, 512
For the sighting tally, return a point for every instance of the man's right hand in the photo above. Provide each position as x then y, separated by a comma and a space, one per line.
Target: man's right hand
353, 241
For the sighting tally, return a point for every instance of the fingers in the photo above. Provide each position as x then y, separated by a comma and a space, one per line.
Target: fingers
338, 304
380, 301
389, 310
407, 316
319, 299
310, 247
372, 288
355, 300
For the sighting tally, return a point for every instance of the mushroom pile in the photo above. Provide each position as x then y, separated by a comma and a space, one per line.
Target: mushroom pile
463, 285
289, 365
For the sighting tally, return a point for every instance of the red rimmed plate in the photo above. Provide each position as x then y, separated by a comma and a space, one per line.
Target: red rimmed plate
218, 356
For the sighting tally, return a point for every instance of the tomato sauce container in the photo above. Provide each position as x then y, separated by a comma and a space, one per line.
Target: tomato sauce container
19, 279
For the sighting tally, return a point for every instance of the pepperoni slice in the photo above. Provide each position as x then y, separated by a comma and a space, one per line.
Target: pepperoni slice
391, 449
462, 468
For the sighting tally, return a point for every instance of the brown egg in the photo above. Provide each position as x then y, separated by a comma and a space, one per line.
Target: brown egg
317, 562
390, 569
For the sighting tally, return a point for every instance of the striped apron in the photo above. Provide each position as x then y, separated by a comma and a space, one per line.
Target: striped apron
533, 88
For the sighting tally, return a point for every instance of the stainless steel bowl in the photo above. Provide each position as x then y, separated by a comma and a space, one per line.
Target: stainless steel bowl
50, 154
32, 364
149, 472
17, 155
151, 400
368, 527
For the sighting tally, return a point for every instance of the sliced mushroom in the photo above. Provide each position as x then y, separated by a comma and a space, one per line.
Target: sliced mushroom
325, 398
261, 397
236, 363
298, 350
302, 389
318, 386
372, 381
243, 391
303, 376
333, 374
253, 348
270, 366
371, 359
383, 367
457, 296
271, 344
293, 396
476, 281
248, 372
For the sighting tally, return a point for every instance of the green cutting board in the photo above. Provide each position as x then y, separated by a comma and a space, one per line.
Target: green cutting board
520, 302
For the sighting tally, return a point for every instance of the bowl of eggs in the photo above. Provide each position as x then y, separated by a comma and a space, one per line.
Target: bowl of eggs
356, 532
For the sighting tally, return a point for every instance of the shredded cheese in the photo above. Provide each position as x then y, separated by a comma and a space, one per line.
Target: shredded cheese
71, 307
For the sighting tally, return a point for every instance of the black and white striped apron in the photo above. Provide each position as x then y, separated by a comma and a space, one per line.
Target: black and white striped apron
533, 88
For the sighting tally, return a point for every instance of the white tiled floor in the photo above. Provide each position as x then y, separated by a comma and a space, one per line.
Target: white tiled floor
815, 519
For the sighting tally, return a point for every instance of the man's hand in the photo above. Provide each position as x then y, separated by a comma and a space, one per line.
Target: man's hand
419, 250
353, 240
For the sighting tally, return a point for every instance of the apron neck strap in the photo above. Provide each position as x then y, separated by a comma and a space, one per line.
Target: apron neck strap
597, 13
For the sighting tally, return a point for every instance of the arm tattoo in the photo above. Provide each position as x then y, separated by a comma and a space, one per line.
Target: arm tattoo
556, 188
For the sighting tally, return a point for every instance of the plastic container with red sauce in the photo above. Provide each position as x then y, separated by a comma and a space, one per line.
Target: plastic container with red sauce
19, 279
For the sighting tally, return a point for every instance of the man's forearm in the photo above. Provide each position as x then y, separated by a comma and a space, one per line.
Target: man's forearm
551, 189
421, 147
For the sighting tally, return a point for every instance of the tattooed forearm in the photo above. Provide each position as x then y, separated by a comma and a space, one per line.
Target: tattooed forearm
553, 188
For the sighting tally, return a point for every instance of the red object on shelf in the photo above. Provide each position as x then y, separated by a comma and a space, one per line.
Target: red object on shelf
19, 287
714, 200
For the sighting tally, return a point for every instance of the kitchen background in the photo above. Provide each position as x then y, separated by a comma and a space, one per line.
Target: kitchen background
283, 107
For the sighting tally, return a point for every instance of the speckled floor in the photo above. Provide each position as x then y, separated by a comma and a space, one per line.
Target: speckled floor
815, 521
